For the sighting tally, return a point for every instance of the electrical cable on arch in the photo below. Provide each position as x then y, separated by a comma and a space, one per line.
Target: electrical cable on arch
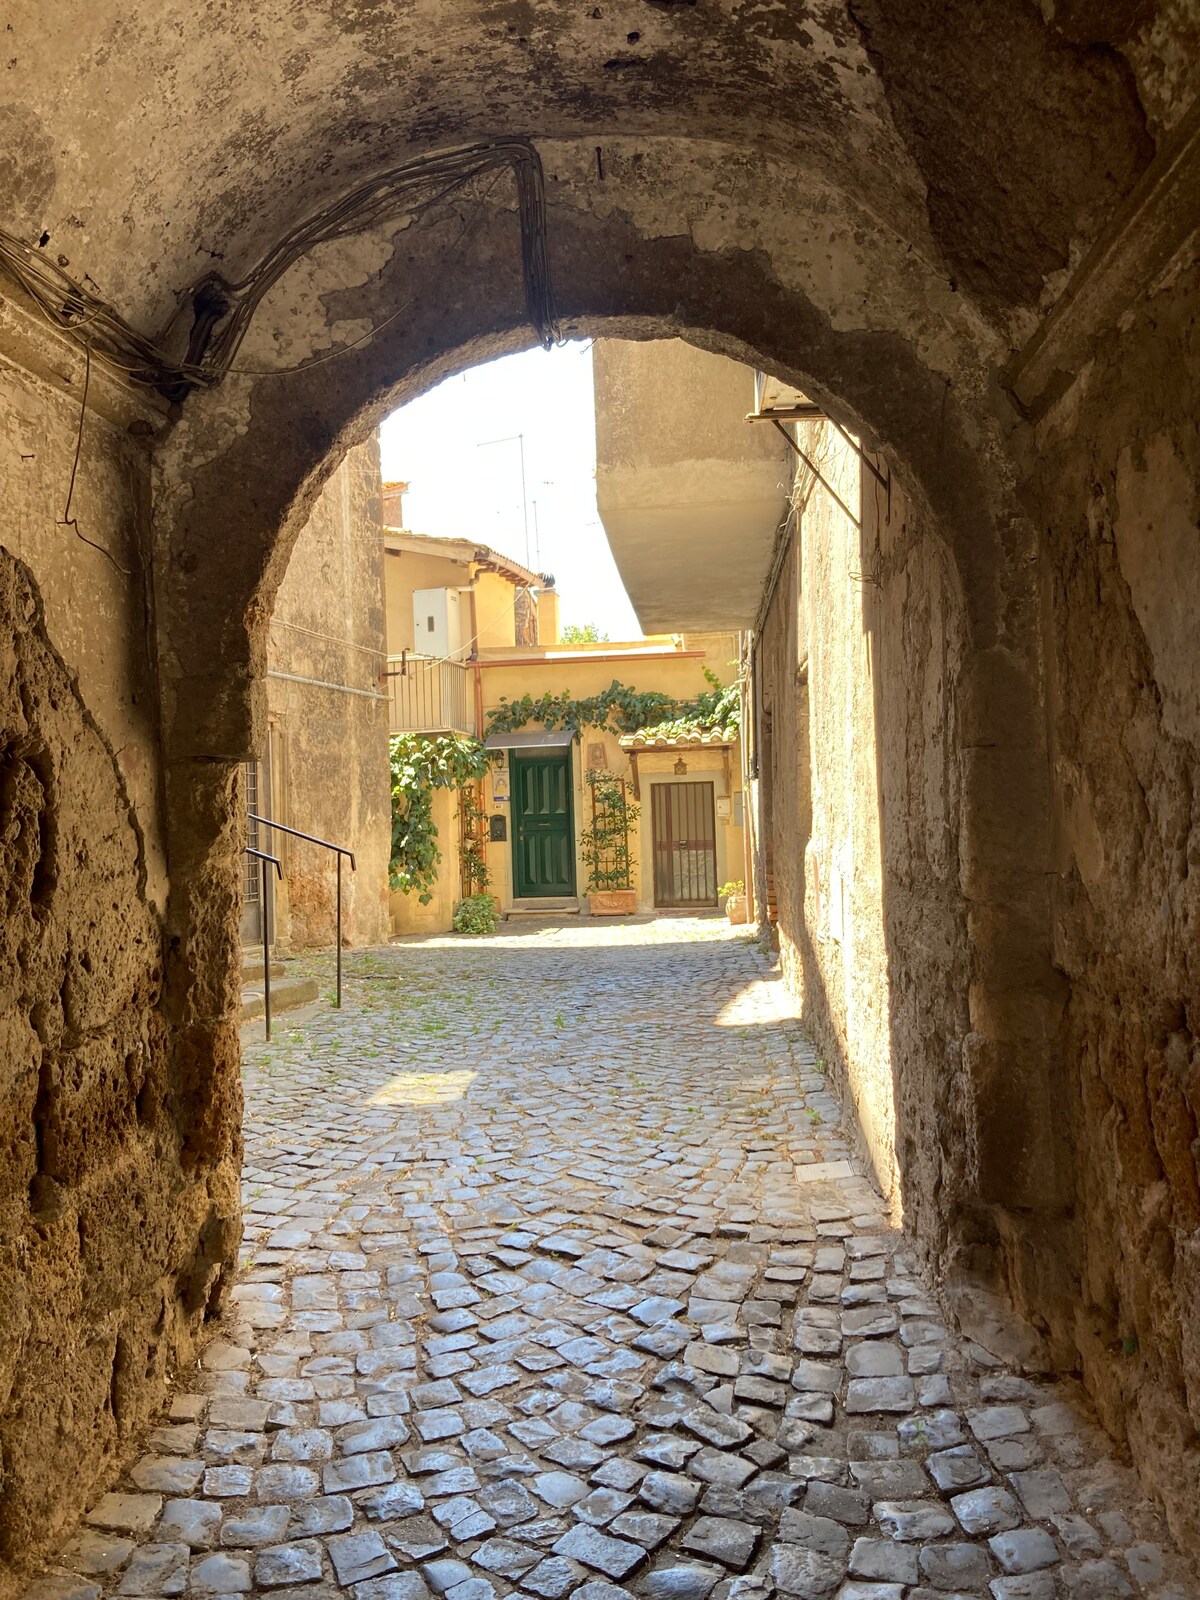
215, 314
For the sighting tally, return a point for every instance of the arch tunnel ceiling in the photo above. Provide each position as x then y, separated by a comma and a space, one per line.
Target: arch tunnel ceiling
141, 149
147, 143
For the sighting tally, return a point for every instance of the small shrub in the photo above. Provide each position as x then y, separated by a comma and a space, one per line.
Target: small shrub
476, 914
734, 886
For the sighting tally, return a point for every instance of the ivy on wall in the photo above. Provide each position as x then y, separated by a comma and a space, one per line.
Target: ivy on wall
421, 763
621, 709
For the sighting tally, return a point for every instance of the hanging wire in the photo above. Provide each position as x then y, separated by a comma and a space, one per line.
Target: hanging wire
215, 314
67, 520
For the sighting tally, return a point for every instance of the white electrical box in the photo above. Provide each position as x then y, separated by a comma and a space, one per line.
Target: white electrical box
437, 628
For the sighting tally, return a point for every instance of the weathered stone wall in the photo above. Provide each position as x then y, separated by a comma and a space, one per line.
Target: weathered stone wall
1119, 474
913, 641
114, 1225
843, 925
861, 652
781, 791
328, 714
1099, 1254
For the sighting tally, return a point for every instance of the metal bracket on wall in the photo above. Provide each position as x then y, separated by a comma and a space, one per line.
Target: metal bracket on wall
884, 480
817, 473
815, 414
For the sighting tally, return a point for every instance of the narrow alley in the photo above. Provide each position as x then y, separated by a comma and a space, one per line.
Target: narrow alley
558, 1278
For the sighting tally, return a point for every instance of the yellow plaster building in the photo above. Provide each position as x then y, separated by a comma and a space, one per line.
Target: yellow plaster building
468, 632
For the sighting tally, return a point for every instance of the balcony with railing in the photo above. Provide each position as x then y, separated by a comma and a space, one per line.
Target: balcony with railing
429, 695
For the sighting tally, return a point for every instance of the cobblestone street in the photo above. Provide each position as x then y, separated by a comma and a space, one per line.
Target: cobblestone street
558, 1278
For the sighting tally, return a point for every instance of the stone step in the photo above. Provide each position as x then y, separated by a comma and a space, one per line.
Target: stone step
286, 994
552, 906
252, 964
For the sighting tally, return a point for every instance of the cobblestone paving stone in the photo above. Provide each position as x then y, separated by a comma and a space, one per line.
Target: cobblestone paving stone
559, 1279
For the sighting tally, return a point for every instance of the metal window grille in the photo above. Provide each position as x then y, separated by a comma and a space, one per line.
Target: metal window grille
251, 882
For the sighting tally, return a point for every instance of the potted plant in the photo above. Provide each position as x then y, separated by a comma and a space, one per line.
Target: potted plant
736, 906
605, 848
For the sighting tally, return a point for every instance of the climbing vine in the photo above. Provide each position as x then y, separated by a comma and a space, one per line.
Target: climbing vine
622, 709
472, 841
421, 763
605, 844
718, 709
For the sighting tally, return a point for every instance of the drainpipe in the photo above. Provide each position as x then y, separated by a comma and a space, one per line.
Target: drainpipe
747, 805
478, 700
747, 859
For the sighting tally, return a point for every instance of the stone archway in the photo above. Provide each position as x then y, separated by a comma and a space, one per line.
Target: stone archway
889, 345
881, 202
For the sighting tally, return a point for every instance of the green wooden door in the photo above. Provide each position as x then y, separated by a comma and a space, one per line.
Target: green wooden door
543, 837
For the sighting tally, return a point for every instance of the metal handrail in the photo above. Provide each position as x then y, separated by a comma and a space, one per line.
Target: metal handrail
262, 858
326, 844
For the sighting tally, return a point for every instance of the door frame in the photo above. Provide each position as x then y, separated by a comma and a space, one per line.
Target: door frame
565, 753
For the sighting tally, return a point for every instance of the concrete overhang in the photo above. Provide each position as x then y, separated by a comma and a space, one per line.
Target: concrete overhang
691, 496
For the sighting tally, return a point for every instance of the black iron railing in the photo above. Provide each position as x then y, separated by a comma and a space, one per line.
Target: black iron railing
263, 858
325, 844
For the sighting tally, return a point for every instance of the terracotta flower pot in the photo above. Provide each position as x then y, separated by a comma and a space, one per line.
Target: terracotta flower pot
737, 908
612, 902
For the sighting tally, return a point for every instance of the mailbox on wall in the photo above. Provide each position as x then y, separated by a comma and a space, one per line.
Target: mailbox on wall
498, 828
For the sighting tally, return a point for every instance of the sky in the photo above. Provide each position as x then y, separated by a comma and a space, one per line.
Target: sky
463, 485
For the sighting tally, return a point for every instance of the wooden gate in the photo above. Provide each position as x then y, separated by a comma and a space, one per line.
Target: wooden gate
685, 844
